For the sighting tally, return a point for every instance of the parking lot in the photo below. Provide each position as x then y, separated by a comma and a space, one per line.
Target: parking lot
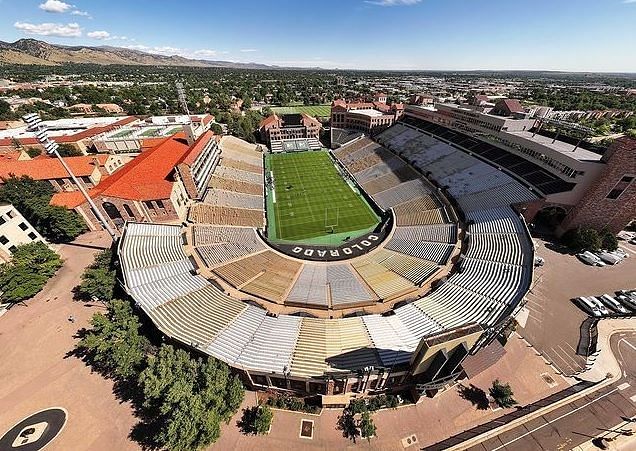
554, 320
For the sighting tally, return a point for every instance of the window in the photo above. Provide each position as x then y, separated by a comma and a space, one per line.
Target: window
86, 179
10, 214
3, 239
12, 249
620, 187
2, 220
160, 204
23, 226
129, 211
148, 204
32, 235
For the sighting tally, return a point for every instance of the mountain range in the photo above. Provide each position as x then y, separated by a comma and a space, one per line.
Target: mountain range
33, 51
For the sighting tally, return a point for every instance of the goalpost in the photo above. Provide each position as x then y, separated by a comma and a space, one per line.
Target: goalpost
330, 227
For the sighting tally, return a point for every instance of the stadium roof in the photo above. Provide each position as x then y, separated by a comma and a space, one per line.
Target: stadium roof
560, 146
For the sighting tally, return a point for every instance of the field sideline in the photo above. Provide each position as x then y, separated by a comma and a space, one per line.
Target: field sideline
312, 110
312, 200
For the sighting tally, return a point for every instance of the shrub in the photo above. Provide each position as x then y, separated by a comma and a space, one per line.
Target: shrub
582, 238
608, 240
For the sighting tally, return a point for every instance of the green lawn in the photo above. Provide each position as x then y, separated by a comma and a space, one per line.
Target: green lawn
311, 201
312, 110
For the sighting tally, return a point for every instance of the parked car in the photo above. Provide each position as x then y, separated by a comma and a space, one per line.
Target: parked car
601, 306
589, 306
625, 235
613, 303
620, 252
626, 300
589, 258
632, 241
609, 258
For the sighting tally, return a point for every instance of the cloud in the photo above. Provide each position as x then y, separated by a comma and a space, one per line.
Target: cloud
170, 51
206, 53
77, 12
249, 50
71, 30
629, 1
98, 34
393, 2
55, 6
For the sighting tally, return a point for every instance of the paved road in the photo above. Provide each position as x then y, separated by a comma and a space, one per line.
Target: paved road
583, 419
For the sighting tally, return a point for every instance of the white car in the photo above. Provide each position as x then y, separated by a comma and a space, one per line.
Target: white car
627, 300
590, 259
620, 252
601, 306
609, 258
613, 303
589, 306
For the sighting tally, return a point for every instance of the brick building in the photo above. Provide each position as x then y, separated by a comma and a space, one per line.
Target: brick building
155, 186
367, 117
611, 201
89, 169
289, 127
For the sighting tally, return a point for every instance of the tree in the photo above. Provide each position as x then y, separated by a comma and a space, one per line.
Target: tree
114, 345
31, 198
608, 240
582, 238
263, 420
30, 268
186, 398
366, 425
217, 129
68, 150
256, 420
99, 279
33, 152
502, 394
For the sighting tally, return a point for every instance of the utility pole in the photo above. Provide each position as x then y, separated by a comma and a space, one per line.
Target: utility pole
35, 125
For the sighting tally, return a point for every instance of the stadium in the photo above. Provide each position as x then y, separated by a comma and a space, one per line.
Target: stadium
358, 270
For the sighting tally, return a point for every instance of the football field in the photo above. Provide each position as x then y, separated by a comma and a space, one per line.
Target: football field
311, 200
312, 110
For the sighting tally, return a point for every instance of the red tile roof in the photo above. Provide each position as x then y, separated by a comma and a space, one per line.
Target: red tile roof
48, 168
148, 176
68, 199
197, 148
269, 121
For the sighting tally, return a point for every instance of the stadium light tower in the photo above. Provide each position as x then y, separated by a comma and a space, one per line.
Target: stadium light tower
35, 125
182, 98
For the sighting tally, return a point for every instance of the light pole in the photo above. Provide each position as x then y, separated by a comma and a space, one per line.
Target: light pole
35, 125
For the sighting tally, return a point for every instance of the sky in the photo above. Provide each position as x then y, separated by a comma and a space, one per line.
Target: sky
569, 35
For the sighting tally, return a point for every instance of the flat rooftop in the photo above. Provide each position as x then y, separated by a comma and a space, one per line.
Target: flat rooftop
559, 146
63, 127
368, 112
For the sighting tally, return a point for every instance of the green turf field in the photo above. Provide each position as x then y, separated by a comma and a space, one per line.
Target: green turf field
312, 203
312, 110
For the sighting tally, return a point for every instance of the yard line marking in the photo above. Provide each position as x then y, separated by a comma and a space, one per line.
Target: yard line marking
556, 419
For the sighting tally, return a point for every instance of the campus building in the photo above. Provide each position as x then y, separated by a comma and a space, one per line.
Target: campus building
136, 136
586, 185
14, 231
155, 186
77, 132
367, 117
89, 169
287, 127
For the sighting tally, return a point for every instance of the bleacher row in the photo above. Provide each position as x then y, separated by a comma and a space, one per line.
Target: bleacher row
236, 187
491, 278
394, 184
532, 173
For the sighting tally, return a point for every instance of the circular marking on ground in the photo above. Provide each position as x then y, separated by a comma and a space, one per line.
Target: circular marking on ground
35, 431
